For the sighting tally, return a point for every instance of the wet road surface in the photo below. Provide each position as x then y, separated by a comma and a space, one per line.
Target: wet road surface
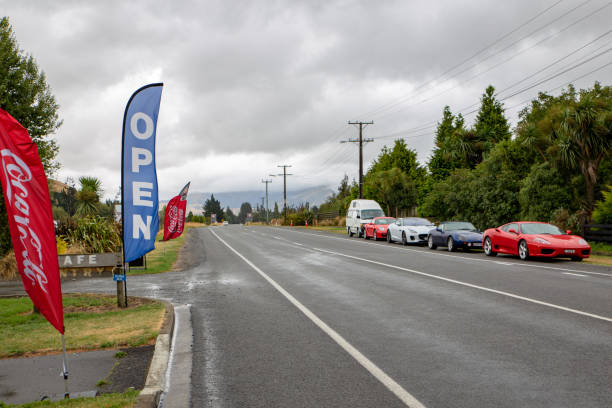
296, 318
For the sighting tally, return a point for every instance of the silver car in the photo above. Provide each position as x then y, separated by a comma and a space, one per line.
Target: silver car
411, 230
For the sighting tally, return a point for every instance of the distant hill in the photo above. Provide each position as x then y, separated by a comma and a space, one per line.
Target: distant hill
313, 196
56, 186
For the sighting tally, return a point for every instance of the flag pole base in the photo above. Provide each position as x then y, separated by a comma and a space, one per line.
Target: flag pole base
65, 369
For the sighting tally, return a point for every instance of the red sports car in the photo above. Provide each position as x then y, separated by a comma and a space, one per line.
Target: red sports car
527, 239
377, 228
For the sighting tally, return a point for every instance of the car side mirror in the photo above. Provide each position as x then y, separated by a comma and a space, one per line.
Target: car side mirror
568, 232
513, 231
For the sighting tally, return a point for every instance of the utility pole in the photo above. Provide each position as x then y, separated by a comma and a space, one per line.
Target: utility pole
284, 174
361, 141
267, 208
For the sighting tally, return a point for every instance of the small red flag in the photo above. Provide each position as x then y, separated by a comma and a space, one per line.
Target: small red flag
174, 219
28, 207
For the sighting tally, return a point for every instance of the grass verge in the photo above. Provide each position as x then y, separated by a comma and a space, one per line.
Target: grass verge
334, 229
165, 254
123, 400
600, 248
92, 322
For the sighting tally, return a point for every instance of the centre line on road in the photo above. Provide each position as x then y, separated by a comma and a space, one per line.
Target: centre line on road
499, 292
372, 368
574, 274
436, 253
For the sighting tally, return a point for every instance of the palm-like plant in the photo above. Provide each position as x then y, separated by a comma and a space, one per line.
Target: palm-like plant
88, 197
585, 138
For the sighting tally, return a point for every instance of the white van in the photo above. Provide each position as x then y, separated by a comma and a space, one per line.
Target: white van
361, 212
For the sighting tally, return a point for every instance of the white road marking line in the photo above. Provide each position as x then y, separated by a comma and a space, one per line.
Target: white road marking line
504, 263
436, 253
575, 274
380, 375
499, 292
297, 243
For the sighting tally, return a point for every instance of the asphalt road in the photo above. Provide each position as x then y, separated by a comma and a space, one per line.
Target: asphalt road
296, 318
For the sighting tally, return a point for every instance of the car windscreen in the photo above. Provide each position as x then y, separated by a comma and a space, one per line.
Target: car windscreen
537, 228
455, 226
367, 214
384, 221
416, 221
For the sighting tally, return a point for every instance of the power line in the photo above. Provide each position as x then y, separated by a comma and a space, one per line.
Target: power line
413, 93
555, 34
557, 74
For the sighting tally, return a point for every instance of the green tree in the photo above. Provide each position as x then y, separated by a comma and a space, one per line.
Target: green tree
25, 95
88, 196
491, 125
213, 206
441, 163
401, 158
394, 189
573, 130
245, 210
230, 217
544, 191
458, 147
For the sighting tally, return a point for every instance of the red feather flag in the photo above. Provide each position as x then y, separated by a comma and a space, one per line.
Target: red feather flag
28, 207
174, 219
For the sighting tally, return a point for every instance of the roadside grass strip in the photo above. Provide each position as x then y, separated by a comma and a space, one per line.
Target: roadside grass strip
123, 400
92, 322
164, 256
499, 292
372, 368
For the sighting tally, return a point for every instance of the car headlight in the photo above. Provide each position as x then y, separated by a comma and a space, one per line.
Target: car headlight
582, 242
540, 240
381, 228
461, 237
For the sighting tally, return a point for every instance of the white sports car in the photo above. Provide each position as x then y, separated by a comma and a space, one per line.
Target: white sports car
409, 230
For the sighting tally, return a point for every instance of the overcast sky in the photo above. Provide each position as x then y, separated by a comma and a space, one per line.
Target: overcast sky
249, 85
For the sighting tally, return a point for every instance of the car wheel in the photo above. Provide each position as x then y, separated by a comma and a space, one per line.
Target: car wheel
430, 242
375, 236
577, 259
388, 237
404, 240
365, 234
488, 247
350, 233
451, 244
523, 250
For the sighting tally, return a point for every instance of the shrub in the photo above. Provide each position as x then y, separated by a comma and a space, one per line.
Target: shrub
8, 266
603, 209
566, 220
96, 235
542, 192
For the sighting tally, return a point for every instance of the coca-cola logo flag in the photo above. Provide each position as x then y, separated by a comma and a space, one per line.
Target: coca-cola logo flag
174, 219
28, 207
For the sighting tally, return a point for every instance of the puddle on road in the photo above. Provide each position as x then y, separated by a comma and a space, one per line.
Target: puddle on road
191, 285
